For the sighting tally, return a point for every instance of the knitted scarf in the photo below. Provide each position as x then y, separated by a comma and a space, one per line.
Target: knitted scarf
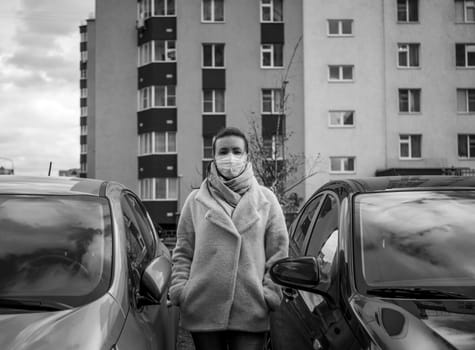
228, 193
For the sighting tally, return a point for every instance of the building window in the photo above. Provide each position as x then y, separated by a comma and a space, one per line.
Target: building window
157, 51
271, 101
408, 55
273, 147
272, 55
161, 188
149, 8
83, 56
83, 36
84, 111
465, 100
465, 11
342, 164
340, 73
271, 11
213, 101
465, 55
466, 145
83, 130
83, 147
410, 146
83, 92
341, 118
340, 27
158, 96
212, 10
83, 167
407, 11
83, 74
213, 55
157, 142
409, 100
207, 147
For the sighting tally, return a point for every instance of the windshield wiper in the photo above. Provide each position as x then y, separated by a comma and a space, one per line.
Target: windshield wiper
33, 304
419, 293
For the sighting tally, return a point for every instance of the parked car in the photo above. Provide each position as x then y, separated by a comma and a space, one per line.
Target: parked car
380, 263
81, 267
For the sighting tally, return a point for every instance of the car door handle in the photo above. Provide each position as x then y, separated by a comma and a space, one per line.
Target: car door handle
289, 293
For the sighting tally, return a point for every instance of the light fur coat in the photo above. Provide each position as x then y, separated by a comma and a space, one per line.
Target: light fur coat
220, 276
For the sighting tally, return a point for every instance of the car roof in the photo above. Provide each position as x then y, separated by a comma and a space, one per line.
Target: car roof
14, 184
388, 183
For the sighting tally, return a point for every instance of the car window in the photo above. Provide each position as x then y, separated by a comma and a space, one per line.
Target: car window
324, 237
136, 248
304, 222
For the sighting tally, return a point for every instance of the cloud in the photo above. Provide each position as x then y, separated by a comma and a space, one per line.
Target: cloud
39, 83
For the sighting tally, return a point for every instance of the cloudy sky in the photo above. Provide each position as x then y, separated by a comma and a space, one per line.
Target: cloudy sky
39, 83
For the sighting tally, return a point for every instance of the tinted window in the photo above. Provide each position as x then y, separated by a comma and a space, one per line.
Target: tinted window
304, 221
55, 248
419, 238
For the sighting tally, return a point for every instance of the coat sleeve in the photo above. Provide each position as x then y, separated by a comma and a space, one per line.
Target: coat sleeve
276, 247
183, 253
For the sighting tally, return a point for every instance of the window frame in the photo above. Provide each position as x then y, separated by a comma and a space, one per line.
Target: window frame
342, 113
150, 140
83, 111
213, 56
275, 144
466, 99
465, 10
147, 52
83, 148
340, 73
270, 50
273, 99
408, 51
152, 185
213, 12
271, 6
149, 92
468, 140
407, 4
409, 142
340, 27
213, 101
83, 132
83, 167
146, 9
342, 165
410, 100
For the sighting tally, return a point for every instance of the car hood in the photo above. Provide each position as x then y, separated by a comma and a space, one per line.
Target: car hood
93, 326
408, 324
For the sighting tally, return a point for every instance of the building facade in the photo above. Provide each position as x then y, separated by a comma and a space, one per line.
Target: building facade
167, 75
389, 87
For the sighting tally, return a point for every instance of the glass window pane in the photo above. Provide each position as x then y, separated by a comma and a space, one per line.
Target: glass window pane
346, 27
413, 10
218, 10
416, 146
348, 118
170, 7
334, 72
471, 140
266, 14
470, 55
278, 10
159, 96
207, 55
219, 96
401, 10
402, 55
403, 101
159, 7
415, 101
267, 101
172, 188
278, 55
160, 142
160, 188
171, 101
207, 10
404, 150
332, 26
462, 146
219, 55
160, 50
335, 164
207, 100
277, 99
414, 55
266, 59
171, 142
471, 100
347, 72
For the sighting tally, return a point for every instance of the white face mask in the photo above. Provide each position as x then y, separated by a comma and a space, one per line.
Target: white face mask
231, 165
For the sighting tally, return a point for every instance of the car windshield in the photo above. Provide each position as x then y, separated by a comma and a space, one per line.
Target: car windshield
416, 239
56, 249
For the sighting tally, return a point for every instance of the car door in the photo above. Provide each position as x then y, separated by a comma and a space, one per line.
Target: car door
288, 329
143, 247
330, 329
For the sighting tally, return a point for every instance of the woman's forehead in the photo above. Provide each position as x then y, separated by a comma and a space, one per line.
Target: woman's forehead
230, 141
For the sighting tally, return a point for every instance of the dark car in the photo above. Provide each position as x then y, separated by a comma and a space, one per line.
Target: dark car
380, 263
81, 267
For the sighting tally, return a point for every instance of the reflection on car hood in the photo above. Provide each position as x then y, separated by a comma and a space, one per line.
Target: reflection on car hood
93, 326
407, 324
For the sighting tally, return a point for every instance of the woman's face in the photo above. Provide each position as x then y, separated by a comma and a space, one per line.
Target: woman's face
230, 144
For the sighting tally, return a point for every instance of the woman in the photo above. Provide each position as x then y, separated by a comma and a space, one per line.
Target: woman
231, 230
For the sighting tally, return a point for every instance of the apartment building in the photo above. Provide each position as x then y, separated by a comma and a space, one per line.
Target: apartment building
389, 87
167, 75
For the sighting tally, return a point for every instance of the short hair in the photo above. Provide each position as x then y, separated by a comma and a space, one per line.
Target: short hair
230, 131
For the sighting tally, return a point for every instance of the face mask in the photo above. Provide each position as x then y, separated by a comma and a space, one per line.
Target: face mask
230, 165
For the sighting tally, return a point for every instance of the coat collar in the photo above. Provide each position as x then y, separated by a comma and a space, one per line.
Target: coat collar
245, 215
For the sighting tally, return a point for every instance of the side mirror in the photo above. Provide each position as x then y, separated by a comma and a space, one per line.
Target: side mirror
299, 273
155, 281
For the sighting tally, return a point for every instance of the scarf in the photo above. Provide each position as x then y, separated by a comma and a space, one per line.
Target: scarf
228, 193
